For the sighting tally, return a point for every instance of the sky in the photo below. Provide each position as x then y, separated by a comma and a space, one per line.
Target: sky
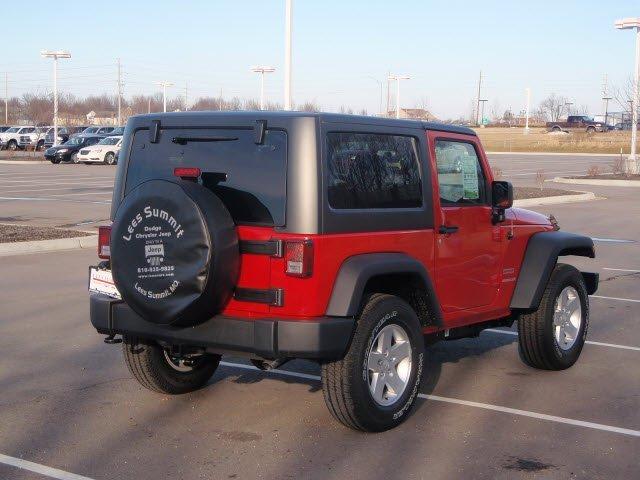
342, 50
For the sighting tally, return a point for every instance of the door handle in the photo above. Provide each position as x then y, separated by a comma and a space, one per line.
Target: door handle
445, 229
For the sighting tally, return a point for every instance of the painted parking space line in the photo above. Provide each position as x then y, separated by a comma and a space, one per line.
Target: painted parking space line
48, 199
40, 469
21, 190
590, 342
485, 406
621, 270
47, 182
618, 299
612, 240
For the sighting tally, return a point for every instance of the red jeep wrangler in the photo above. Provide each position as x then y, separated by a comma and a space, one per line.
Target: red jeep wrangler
341, 239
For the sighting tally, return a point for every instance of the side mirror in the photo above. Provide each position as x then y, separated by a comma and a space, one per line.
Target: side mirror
501, 195
501, 199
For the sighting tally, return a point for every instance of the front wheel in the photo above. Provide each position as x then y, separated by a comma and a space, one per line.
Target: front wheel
375, 385
155, 368
109, 158
552, 337
74, 157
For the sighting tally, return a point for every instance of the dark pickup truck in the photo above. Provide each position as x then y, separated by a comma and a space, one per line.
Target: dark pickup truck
577, 123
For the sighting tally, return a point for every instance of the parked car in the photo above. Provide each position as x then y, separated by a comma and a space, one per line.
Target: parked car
98, 130
77, 130
104, 151
63, 136
68, 151
296, 250
10, 139
38, 139
117, 131
623, 126
580, 123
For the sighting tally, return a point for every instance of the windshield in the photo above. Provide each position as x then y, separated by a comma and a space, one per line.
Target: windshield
109, 141
75, 141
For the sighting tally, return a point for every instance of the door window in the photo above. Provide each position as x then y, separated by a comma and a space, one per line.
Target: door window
461, 180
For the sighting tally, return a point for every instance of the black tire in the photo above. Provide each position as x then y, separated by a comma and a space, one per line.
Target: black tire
110, 158
591, 130
537, 344
40, 146
12, 145
74, 157
149, 365
345, 382
55, 161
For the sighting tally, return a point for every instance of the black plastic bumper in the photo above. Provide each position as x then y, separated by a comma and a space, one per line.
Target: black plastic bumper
323, 338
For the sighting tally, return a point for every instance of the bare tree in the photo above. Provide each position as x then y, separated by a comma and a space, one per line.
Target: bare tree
37, 108
553, 107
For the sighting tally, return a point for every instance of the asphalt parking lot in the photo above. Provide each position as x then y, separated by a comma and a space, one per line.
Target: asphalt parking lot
67, 401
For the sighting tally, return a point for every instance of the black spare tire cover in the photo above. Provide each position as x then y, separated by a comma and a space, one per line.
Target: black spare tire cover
174, 252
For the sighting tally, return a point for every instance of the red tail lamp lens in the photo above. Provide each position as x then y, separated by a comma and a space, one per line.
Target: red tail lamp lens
298, 257
104, 242
187, 172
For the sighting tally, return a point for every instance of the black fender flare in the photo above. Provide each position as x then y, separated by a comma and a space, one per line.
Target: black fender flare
540, 258
356, 271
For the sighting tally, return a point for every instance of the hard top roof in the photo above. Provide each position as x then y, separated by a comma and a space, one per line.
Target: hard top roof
322, 116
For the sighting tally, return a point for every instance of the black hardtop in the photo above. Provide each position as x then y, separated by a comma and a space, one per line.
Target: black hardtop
228, 118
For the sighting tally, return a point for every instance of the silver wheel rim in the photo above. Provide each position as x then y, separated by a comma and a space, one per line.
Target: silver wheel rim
110, 159
176, 363
389, 365
567, 318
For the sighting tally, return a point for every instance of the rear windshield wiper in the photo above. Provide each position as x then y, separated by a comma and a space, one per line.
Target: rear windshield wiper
185, 140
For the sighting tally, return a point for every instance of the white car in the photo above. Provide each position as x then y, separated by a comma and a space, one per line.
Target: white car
11, 138
105, 151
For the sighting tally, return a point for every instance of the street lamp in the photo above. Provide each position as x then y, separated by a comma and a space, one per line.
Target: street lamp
164, 86
627, 24
262, 71
397, 78
526, 125
55, 55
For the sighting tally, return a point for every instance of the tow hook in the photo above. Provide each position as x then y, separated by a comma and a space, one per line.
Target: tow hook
112, 340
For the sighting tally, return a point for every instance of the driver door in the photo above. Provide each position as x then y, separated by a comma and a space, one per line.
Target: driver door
468, 248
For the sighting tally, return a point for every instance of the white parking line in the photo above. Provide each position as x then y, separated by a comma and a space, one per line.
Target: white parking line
621, 270
22, 190
485, 406
612, 240
632, 300
41, 469
590, 342
47, 182
48, 199
507, 174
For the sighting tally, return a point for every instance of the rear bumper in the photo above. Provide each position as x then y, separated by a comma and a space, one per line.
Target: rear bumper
323, 338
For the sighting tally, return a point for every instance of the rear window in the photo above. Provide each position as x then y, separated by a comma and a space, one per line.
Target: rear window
373, 171
250, 179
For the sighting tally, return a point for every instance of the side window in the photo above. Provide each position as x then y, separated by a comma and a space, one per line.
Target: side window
460, 177
368, 170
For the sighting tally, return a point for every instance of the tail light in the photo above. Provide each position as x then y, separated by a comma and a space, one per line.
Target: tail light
187, 173
104, 242
298, 258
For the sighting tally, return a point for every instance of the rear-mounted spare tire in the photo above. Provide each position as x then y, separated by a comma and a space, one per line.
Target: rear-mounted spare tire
174, 252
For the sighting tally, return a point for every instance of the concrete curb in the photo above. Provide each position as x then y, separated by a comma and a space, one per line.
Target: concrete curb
39, 246
529, 202
23, 162
559, 154
601, 183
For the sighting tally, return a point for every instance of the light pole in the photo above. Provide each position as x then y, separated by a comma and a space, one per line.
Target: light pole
164, 86
526, 124
55, 55
482, 102
606, 99
626, 24
380, 84
262, 70
287, 55
397, 79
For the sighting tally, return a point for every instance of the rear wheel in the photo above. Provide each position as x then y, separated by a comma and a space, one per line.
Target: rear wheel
74, 157
591, 130
552, 337
375, 385
155, 368
12, 145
